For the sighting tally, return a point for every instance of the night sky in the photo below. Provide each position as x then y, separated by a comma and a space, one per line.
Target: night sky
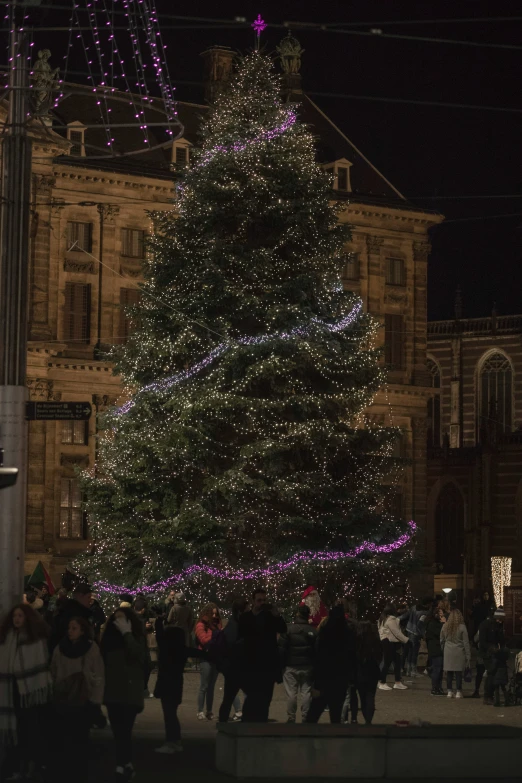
425, 151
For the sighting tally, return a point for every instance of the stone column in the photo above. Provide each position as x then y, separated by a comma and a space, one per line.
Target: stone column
374, 245
39, 328
57, 244
421, 252
107, 254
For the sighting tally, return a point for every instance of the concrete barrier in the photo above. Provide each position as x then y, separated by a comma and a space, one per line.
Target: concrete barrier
273, 750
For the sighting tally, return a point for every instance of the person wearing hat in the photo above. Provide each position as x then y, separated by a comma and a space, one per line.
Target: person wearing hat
182, 616
491, 638
79, 605
297, 650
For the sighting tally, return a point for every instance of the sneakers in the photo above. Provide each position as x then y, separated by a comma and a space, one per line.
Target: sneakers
399, 686
458, 695
125, 773
209, 716
426, 673
475, 695
169, 748
237, 716
201, 716
383, 687
451, 695
290, 720
437, 692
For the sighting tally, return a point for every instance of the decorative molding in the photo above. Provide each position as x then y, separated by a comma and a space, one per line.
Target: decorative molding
108, 212
167, 190
131, 268
419, 427
79, 265
421, 251
395, 297
374, 244
74, 460
42, 389
44, 183
103, 402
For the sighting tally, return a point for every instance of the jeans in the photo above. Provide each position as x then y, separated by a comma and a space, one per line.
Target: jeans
391, 654
209, 673
367, 696
413, 653
171, 720
122, 718
436, 672
458, 680
298, 680
230, 697
259, 689
351, 704
332, 695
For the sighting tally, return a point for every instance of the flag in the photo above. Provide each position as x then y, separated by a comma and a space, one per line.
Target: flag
40, 576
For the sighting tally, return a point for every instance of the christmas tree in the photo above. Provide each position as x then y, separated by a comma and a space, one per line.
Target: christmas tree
243, 441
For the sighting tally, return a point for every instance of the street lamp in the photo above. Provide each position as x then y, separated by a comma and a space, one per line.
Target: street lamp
447, 590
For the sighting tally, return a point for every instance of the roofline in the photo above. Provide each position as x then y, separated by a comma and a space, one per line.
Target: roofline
353, 145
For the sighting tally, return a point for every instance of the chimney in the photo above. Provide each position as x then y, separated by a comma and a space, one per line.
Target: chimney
218, 67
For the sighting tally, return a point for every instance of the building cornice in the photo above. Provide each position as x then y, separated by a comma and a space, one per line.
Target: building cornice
133, 182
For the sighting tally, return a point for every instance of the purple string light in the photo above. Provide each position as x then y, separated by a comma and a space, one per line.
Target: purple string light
219, 350
299, 558
259, 25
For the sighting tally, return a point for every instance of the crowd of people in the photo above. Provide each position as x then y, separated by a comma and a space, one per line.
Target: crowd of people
61, 659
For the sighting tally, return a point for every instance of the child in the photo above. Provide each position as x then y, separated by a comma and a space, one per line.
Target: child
500, 674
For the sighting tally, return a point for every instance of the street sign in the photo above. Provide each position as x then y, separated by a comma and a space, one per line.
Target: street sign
58, 411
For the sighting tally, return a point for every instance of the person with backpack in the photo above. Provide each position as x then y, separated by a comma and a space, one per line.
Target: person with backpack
297, 651
207, 627
391, 638
229, 663
79, 677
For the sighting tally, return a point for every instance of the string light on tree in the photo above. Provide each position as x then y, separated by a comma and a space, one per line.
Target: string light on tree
501, 577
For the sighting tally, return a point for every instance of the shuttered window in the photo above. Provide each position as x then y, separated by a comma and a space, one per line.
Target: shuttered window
72, 517
181, 155
395, 271
75, 433
132, 242
79, 236
77, 313
394, 341
128, 297
76, 137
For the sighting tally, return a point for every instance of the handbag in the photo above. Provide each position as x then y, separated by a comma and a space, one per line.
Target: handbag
72, 691
467, 674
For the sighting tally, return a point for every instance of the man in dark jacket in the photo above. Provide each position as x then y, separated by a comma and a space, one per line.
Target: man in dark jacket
261, 666
491, 636
297, 650
77, 606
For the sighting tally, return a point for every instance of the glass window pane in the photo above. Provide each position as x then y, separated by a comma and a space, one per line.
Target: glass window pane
65, 494
64, 523
76, 523
67, 432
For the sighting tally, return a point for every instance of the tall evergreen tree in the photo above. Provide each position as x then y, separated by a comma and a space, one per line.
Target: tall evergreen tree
249, 369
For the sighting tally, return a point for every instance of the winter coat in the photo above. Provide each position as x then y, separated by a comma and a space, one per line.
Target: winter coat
335, 654
205, 632
125, 669
456, 650
368, 673
69, 609
172, 657
491, 634
182, 616
414, 618
231, 659
391, 630
90, 664
433, 630
297, 644
501, 675
258, 633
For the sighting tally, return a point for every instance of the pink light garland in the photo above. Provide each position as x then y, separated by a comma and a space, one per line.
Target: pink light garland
263, 573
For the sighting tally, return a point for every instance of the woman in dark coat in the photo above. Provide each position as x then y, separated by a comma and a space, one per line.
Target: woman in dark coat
172, 657
433, 626
369, 657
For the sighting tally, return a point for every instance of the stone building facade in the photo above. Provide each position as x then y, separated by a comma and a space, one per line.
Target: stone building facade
87, 253
474, 507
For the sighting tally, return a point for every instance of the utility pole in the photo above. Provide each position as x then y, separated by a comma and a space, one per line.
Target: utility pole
14, 263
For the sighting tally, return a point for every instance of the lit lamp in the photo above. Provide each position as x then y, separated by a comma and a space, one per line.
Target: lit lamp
447, 590
501, 577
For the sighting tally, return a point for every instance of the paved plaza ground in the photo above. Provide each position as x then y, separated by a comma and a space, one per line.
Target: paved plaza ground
196, 763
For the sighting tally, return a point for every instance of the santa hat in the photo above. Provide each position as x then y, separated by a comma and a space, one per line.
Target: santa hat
309, 590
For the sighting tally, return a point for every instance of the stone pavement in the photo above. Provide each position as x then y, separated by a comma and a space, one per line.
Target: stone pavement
196, 763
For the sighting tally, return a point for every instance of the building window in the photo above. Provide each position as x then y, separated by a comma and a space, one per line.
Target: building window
434, 419
496, 395
72, 517
342, 178
79, 236
133, 243
77, 313
75, 433
351, 267
76, 135
128, 298
394, 341
449, 529
181, 155
395, 271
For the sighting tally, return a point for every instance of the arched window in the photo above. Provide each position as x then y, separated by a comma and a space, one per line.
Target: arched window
449, 529
495, 395
434, 433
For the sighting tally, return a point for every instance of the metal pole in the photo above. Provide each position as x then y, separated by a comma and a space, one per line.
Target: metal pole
14, 262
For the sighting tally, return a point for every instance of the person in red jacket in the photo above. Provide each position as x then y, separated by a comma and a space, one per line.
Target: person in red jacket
318, 610
208, 625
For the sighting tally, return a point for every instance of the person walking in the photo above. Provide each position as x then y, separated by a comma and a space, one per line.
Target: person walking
172, 657
491, 638
434, 622
25, 689
124, 651
391, 638
78, 676
207, 627
229, 663
260, 663
456, 651
335, 666
369, 656
297, 647
182, 616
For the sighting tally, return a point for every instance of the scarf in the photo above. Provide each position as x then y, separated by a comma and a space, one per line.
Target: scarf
75, 649
26, 668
